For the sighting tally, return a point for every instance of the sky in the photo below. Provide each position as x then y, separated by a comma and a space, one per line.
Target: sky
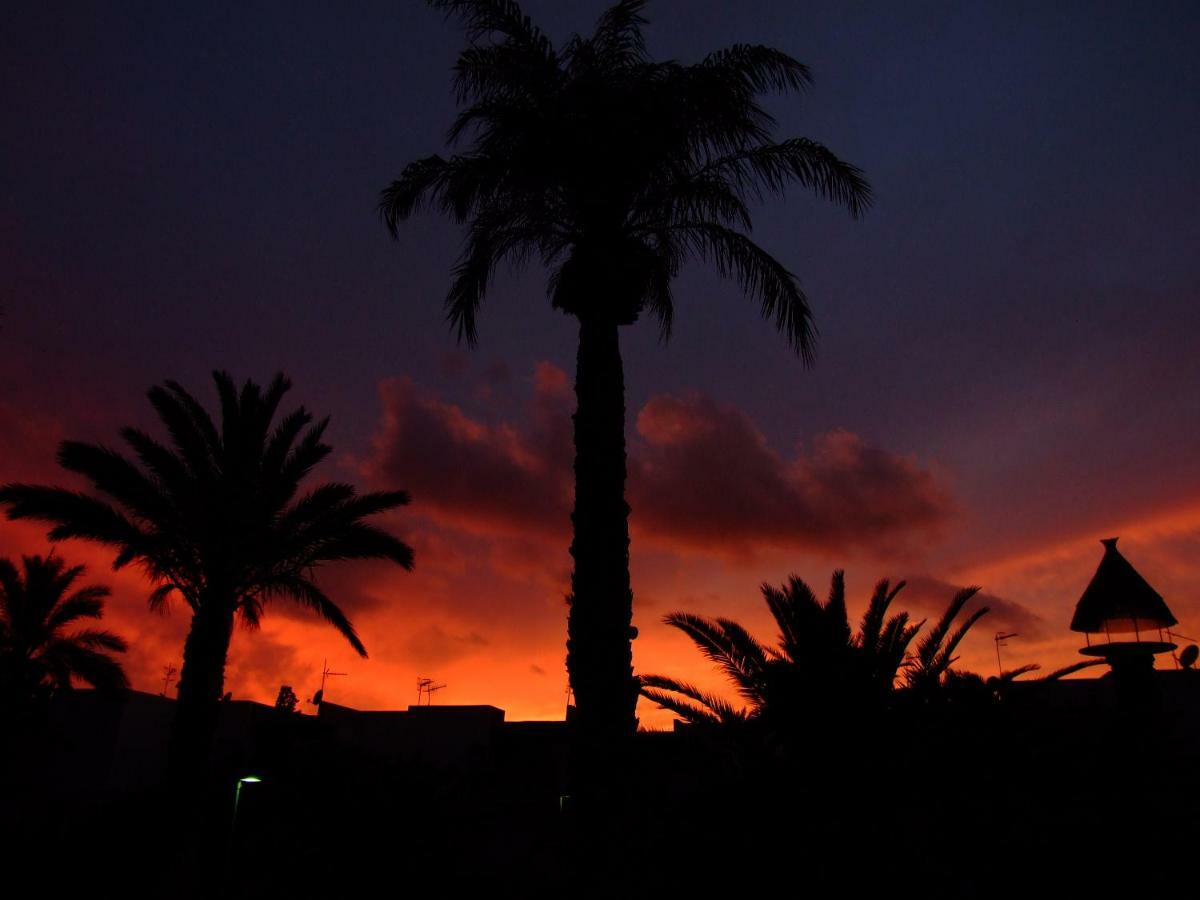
1007, 367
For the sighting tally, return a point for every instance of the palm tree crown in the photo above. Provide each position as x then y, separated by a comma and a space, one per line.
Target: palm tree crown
819, 663
216, 517
39, 650
820, 667
613, 169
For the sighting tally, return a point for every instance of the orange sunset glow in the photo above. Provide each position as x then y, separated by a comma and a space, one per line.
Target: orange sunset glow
616, 448
484, 610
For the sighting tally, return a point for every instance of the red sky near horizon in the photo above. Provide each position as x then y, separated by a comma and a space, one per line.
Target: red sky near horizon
1007, 367
717, 510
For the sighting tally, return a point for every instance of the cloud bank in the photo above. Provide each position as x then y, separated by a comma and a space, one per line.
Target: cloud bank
702, 475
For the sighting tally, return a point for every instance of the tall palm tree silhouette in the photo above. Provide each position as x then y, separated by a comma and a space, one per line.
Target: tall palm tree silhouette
613, 170
819, 667
216, 517
39, 651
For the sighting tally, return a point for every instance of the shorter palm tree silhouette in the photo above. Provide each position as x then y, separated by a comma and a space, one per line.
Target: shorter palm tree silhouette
820, 669
820, 665
40, 651
216, 516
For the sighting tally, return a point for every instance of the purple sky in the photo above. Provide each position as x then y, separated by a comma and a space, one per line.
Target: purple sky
184, 187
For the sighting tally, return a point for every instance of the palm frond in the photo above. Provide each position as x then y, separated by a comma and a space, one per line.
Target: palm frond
930, 646
169, 470
759, 275
1072, 669
160, 597
688, 711
737, 661
70, 658
618, 38
759, 68
73, 514
946, 658
192, 431
704, 708
492, 239
86, 603
306, 454
421, 182
795, 609
870, 629
99, 640
307, 594
113, 474
1010, 675
487, 19
799, 160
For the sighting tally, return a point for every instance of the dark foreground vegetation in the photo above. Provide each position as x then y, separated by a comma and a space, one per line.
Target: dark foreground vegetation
1041, 792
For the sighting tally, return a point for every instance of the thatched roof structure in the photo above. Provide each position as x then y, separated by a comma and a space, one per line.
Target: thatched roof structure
1119, 599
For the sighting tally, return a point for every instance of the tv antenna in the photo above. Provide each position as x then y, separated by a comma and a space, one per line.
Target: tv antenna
1000, 638
319, 697
169, 673
425, 688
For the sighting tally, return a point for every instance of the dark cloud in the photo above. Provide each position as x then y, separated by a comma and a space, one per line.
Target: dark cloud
705, 476
701, 475
489, 477
927, 596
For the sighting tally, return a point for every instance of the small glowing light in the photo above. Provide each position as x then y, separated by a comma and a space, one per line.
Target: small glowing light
250, 779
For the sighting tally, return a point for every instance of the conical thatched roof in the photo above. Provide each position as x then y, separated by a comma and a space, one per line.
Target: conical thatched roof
1119, 599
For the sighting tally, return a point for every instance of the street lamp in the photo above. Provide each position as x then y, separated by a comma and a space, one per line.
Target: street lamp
237, 797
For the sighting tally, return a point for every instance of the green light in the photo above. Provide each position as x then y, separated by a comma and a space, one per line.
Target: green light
250, 779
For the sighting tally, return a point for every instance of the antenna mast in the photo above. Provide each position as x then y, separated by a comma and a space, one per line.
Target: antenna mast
1000, 638
425, 688
319, 697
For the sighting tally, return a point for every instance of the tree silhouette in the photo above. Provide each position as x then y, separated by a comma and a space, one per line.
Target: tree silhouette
612, 170
935, 650
39, 654
215, 517
286, 699
819, 668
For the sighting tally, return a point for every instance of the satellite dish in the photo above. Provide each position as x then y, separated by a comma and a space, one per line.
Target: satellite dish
317, 698
1188, 657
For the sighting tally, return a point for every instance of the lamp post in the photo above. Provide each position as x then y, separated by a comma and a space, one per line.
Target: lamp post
237, 798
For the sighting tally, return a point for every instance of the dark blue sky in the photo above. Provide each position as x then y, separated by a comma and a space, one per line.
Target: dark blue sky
191, 186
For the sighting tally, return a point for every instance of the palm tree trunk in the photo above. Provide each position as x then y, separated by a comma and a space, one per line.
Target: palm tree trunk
201, 683
599, 625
